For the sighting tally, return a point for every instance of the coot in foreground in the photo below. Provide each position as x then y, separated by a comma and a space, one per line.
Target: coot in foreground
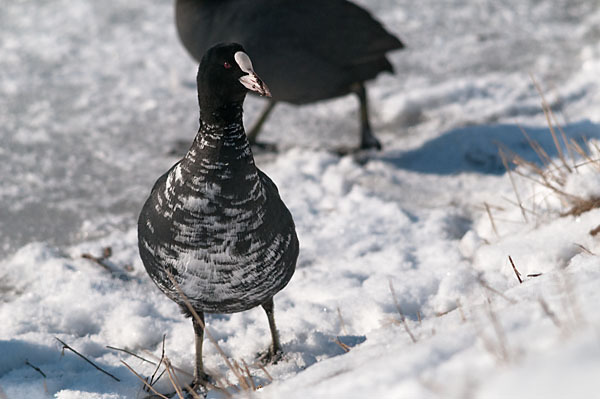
308, 50
214, 221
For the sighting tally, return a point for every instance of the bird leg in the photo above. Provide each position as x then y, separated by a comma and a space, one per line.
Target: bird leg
274, 353
367, 138
200, 377
253, 133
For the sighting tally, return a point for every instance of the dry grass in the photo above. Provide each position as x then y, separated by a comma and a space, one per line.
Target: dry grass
65, 346
548, 173
491, 289
402, 318
40, 372
245, 380
512, 263
241, 370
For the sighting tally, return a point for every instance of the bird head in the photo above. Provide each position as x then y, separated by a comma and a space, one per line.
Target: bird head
225, 75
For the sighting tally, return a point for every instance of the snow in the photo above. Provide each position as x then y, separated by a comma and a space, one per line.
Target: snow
92, 98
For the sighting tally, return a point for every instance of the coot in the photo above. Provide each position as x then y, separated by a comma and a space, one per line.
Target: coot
214, 221
308, 50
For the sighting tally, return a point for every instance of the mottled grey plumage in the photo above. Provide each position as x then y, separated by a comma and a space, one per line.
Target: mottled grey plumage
214, 220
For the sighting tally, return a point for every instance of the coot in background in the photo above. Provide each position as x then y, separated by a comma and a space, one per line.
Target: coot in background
307, 50
214, 221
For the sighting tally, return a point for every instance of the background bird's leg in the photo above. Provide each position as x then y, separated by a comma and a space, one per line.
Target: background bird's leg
200, 377
275, 352
253, 133
367, 138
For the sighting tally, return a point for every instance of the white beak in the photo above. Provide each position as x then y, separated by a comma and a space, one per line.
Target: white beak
251, 81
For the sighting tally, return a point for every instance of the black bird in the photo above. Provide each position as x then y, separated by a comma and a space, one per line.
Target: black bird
214, 221
308, 50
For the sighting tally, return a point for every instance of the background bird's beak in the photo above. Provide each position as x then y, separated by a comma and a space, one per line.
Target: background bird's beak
254, 83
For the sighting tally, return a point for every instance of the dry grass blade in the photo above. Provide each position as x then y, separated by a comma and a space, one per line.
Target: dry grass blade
130, 353
342, 345
162, 357
489, 213
584, 249
530, 211
402, 318
98, 261
249, 375
463, 318
192, 392
243, 381
173, 377
175, 381
570, 300
342, 324
485, 285
35, 368
178, 369
562, 194
541, 153
65, 346
548, 113
585, 155
563, 135
515, 270
549, 313
41, 373
502, 342
224, 382
512, 182
582, 206
150, 387
264, 370
534, 274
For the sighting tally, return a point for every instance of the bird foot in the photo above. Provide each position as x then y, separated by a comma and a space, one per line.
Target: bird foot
370, 142
199, 386
202, 381
199, 389
344, 151
270, 356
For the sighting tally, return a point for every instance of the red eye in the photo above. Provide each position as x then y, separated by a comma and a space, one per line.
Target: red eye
227, 65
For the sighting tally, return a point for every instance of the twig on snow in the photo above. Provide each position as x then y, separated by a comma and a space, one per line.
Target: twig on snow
66, 346
402, 318
35, 368
130, 353
342, 345
150, 387
489, 213
485, 285
342, 324
549, 312
515, 270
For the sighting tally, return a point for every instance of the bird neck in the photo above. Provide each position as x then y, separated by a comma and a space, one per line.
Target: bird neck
221, 150
219, 114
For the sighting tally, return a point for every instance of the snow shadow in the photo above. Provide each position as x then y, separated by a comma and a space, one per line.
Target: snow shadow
315, 346
15, 354
475, 148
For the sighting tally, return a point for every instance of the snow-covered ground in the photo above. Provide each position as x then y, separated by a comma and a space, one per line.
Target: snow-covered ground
92, 97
